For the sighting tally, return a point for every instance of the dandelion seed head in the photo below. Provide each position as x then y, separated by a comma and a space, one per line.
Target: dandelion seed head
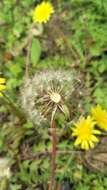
48, 90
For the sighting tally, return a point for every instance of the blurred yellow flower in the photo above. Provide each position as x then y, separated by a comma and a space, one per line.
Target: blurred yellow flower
42, 12
85, 132
2, 85
100, 116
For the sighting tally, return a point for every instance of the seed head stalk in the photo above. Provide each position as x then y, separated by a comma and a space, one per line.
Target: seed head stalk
54, 154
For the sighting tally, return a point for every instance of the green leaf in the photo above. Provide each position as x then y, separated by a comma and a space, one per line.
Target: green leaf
35, 51
28, 125
14, 69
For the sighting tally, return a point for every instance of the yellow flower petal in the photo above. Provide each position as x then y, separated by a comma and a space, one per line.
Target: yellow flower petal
85, 132
2, 87
74, 133
97, 132
42, 12
94, 138
85, 145
2, 80
77, 142
100, 116
91, 144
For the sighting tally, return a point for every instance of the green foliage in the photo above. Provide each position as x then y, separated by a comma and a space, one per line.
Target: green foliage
84, 24
35, 51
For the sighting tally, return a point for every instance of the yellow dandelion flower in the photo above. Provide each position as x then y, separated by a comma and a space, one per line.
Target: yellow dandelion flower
85, 132
2, 85
42, 12
100, 116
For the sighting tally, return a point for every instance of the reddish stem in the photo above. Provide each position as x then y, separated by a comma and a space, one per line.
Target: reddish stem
53, 161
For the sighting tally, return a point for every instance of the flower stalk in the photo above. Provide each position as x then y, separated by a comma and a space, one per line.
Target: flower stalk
54, 153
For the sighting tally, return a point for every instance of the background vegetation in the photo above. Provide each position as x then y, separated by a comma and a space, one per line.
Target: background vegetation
83, 26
